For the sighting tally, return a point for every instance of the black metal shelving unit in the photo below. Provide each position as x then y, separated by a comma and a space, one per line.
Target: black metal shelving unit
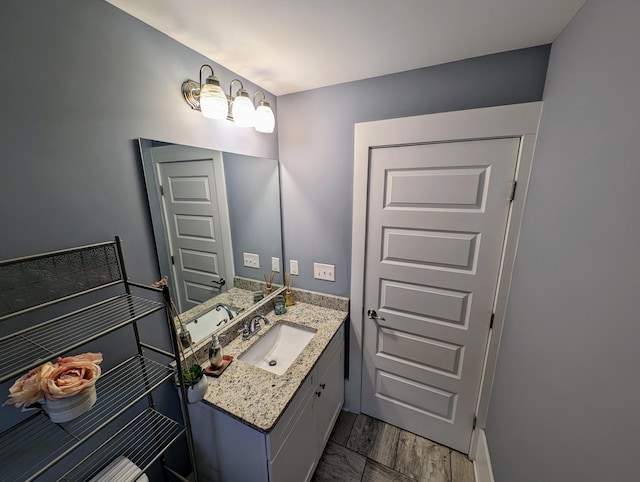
30, 448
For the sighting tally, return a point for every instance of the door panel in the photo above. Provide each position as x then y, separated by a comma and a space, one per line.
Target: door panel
199, 227
426, 301
416, 396
436, 220
422, 351
438, 189
434, 248
199, 261
190, 189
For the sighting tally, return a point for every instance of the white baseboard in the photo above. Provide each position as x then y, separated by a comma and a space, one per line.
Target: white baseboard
482, 461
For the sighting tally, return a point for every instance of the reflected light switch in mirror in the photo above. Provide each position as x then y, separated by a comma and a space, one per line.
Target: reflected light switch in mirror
293, 267
275, 264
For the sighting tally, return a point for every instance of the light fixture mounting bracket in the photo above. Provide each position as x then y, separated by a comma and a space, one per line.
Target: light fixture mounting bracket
191, 93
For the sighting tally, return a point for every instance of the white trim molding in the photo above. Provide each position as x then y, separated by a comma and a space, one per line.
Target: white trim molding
482, 460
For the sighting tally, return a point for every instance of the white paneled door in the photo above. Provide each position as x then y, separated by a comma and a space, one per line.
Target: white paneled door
436, 221
193, 224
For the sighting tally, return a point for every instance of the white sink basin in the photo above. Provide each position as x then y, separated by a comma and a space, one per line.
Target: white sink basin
207, 324
278, 348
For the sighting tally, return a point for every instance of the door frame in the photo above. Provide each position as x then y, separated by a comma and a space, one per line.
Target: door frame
158, 214
517, 120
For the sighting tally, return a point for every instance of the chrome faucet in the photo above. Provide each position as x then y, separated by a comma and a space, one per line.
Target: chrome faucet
251, 327
226, 308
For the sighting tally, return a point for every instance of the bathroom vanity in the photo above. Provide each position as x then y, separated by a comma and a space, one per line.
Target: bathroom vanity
256, 425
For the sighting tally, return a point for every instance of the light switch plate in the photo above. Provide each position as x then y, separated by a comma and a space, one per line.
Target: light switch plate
275, 264
325, 272
251, 260
293, 267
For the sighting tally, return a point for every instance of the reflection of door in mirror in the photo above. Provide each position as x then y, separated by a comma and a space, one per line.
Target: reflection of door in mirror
192, 202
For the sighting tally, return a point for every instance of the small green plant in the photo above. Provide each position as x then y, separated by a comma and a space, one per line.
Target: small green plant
192, 375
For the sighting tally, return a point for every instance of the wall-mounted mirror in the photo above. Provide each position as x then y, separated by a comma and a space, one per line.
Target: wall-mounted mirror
217, 223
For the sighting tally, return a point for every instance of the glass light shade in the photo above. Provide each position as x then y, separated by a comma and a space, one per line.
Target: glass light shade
213, 101
243, 112
265, 120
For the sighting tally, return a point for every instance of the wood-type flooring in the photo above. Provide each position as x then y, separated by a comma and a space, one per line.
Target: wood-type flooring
364, 449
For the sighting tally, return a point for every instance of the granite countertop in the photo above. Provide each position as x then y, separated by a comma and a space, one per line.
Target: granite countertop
258, 397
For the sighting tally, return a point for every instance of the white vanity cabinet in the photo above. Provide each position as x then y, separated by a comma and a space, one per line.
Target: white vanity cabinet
328, 400
228, 449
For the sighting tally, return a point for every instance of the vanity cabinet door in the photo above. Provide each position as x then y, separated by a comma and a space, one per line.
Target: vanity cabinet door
328, 399
296, 458
203, 432
226, 449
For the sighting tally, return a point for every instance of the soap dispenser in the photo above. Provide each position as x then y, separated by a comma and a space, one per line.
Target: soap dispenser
215, 353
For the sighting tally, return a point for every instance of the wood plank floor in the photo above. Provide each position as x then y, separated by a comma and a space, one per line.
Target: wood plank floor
364, 449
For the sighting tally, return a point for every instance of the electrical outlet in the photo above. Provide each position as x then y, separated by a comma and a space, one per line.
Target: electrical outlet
251, 260
326, 272
293, 267
275, 264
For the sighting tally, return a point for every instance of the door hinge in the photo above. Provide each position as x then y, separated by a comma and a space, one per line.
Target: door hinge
514, 184
161, 191
475, 421
173, 261
493, 316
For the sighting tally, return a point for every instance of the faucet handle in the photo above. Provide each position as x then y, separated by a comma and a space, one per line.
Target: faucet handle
256, 319
246, 329
222, 322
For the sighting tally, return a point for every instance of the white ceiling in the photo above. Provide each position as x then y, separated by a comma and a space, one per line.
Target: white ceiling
287, 46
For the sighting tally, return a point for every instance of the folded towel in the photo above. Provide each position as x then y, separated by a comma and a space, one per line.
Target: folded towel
120, 469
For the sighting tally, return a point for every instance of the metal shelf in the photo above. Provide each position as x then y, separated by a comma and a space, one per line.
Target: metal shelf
30, 284
143, 441
30, 448
26, 349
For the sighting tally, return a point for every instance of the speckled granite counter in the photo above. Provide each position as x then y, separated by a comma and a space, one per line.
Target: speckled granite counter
258, 397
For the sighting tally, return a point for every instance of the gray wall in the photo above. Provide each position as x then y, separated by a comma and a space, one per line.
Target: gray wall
79, 81
253, 193
565, 399
316, 143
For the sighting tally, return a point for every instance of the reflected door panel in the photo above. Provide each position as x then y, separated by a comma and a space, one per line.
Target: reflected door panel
192, 218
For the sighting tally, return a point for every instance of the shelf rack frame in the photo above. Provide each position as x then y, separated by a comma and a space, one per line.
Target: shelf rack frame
32, 283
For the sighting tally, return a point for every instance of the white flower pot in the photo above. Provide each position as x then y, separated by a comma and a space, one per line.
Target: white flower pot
196, 392
67, 409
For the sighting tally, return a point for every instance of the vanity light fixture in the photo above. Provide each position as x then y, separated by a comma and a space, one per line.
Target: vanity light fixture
265, 120
242, 109
211, 100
